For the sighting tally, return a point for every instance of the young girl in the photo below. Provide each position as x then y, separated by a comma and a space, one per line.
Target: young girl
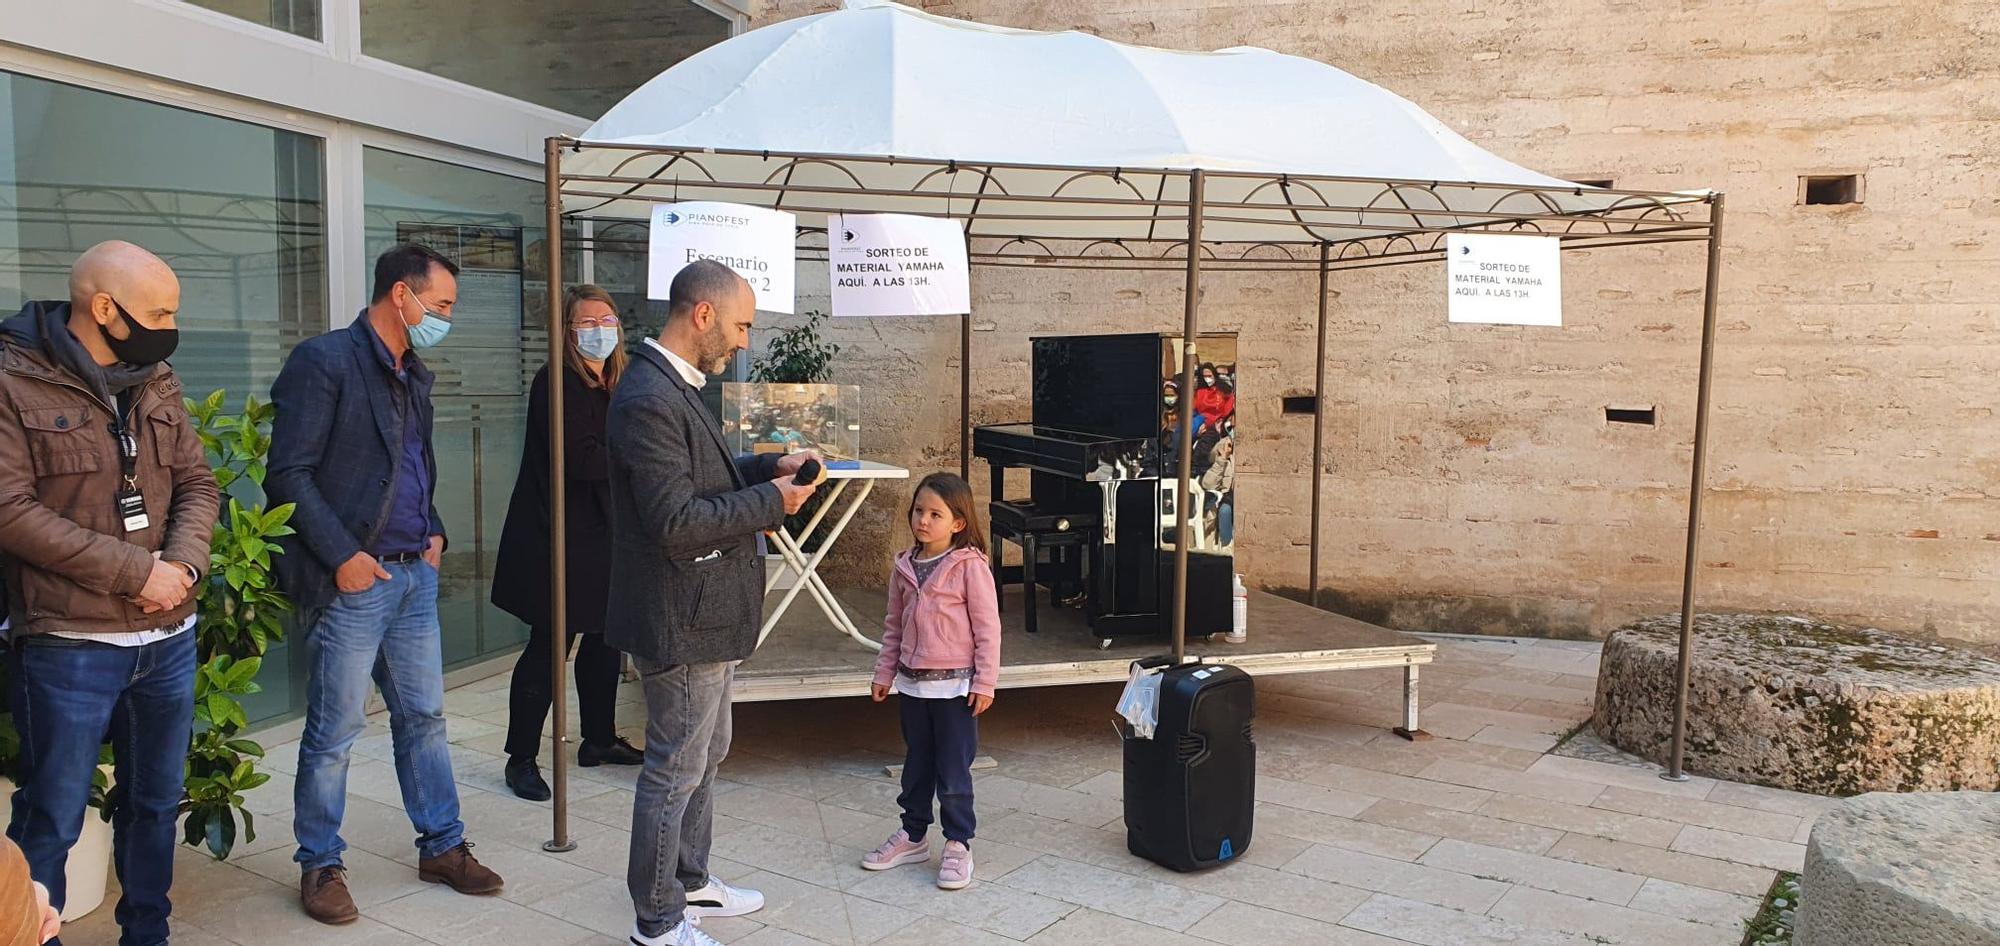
941, 655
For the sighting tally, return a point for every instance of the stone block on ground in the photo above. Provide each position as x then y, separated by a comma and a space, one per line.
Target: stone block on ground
1914, 870
1804, 705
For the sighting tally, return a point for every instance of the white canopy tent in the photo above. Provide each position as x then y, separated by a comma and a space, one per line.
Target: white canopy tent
885, 80
1065, 150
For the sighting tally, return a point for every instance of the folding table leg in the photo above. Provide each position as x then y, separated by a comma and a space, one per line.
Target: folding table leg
832, 498
846, 622
794, 556
809, 575
1409, 730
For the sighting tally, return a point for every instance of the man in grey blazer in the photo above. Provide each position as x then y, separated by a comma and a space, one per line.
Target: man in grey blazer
687, 589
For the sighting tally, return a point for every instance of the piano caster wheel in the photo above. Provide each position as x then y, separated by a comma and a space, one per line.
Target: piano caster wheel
1104, 644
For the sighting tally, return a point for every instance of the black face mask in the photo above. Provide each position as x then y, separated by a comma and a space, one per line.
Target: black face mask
144, 346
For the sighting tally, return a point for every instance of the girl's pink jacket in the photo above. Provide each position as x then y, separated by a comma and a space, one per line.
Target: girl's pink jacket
952, 621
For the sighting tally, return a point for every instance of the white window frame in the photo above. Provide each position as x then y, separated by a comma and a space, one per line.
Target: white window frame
325, 88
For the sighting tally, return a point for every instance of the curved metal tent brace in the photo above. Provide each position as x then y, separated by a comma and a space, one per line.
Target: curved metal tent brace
1113, 176
654, 178
1043, 210
1119, 244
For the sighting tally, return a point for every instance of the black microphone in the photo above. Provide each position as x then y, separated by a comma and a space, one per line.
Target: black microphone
808, 473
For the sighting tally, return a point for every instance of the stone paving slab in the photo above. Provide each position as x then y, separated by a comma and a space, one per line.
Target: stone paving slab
1362, 839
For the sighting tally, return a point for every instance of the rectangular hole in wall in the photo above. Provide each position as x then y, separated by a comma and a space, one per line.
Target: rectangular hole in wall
1827, 189
1643, 416
1303, 404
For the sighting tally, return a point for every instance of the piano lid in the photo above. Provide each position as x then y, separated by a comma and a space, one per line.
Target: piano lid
1046, 432
1070, 453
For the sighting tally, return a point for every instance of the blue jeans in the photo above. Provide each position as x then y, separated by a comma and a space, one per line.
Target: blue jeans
68, 695
688, 727
388, 633
941, 738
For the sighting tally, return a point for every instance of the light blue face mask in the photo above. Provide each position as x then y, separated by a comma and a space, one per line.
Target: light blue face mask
597, 343
431, 330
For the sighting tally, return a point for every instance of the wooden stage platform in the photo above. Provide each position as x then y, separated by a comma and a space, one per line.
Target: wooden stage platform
806, 658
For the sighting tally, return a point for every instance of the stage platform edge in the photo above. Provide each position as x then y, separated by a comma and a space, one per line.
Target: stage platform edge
805, 658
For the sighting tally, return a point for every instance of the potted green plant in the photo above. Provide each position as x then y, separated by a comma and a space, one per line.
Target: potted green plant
241, 613
797, 355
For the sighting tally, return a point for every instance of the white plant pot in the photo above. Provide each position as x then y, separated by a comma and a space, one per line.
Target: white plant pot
88, 869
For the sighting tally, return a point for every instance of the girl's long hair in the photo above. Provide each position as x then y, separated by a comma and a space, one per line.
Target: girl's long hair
956, 494
614, 366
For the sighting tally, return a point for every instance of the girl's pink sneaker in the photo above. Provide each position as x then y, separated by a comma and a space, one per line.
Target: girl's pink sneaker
897, 851
955, 871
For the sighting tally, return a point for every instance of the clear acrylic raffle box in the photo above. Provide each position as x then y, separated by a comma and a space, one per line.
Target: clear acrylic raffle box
787, 418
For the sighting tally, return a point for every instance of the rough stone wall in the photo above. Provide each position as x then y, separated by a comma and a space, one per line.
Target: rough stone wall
1472, 482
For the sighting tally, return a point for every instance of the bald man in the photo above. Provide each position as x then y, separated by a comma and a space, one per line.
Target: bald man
106, 508
686, 593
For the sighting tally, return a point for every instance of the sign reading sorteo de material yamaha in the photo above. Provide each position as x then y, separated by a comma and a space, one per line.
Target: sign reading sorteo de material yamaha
897, 264
756, 242
1503, 279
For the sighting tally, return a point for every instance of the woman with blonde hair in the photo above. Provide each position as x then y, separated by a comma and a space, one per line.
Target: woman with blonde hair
593, 360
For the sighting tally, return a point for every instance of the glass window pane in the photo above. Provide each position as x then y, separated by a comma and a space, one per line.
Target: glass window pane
492, 226
297, 17
236, 209
579, 57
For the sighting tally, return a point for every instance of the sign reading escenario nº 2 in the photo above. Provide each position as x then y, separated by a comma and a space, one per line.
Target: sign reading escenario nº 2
897, 264
756, 242
1504, 280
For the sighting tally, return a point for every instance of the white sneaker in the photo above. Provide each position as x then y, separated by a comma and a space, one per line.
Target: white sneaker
683, 934
716, 898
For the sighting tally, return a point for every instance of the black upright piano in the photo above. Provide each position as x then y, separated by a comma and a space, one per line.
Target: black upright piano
1093, 447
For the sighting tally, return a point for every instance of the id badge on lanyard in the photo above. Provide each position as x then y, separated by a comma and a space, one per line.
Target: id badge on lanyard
131, 505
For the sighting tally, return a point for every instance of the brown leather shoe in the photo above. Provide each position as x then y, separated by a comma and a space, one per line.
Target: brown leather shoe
324, 893
458, 868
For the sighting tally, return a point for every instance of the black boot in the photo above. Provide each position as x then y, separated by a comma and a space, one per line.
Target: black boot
616, 752
525, 778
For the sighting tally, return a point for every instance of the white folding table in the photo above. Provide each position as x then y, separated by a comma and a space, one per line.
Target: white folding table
806, 567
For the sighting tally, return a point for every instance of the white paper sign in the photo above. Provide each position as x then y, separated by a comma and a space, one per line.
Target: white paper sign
897, 264
756, 242
1504, 280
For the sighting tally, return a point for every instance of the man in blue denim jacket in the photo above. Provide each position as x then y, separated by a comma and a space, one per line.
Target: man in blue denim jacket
351, 447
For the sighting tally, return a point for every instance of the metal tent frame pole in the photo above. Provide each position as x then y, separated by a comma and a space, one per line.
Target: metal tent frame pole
965, 375
559, 840
1190, 330
1697, 477
1319, 429
1083, 232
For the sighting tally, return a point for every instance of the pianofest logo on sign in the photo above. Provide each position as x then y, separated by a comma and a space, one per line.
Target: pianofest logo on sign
756, 242
897, 264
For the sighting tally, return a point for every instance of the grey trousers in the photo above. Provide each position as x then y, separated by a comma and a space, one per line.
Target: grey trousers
687, 734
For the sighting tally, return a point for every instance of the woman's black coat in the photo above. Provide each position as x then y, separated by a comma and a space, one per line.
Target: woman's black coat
521, 573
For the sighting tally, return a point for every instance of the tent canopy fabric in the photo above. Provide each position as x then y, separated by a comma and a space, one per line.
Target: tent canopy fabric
995, 124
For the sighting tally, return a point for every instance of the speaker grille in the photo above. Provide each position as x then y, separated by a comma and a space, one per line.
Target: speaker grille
1189, 746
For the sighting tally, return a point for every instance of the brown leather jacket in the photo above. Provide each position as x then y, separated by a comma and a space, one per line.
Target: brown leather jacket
70, 564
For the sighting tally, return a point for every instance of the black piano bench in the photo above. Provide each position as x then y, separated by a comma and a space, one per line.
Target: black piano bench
1035, 528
